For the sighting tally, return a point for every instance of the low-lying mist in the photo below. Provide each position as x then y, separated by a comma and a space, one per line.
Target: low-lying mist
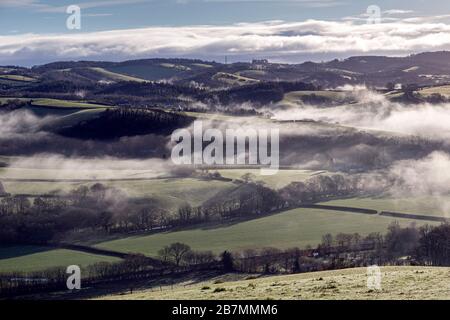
60, 167
374, 111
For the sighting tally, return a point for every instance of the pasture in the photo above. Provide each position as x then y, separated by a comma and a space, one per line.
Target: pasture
170, 193
15, 77
58, 103
292, 228
116, 76
145, 71
35, 258
233, 79
277, 181
433, 206
443, 90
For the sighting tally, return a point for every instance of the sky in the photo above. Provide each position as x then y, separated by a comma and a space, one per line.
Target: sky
35, 31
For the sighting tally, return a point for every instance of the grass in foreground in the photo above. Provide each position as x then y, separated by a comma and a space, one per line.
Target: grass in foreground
35, 258
293, 228
399, 283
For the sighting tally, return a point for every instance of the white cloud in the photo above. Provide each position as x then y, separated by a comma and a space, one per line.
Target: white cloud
397, 12
275, 39
43, 7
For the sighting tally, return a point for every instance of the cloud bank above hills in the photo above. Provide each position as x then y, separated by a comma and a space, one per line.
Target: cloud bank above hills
277, 40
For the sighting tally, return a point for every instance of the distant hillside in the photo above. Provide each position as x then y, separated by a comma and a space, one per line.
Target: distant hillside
427, 68
182, 83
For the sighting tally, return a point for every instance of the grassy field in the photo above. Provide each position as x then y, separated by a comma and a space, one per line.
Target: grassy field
171, 193
233, 79
70, 118
202, 65
79, 174
279, 180
145, 71
34, 258
436, 206
397, 283
444, 90
117, 76
293, 228
15, 77
57, 103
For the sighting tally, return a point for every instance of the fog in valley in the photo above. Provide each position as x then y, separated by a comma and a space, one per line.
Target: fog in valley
402, 147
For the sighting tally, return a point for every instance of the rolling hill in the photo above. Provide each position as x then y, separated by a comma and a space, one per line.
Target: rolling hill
397, 283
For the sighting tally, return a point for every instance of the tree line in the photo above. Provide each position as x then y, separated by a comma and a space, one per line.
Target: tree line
105, 210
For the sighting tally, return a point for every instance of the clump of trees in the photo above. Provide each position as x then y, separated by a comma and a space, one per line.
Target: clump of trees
97, 208
324, 187
433, 246
182, 254
119, 122
259, 93
13, 104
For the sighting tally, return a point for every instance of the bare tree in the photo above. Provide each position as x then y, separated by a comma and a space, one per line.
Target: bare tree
176, 252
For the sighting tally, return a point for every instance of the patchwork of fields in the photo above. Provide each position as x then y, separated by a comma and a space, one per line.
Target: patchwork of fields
292, 228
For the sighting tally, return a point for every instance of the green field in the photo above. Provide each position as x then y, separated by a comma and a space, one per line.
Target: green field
202, 65
279, 180
57, 103
79, 174
145, 71
397, 283
254, 74
297, 227
117, 76
444, 90
34, 258
435, 206
15, 77
233, 79
69, 118
171, 193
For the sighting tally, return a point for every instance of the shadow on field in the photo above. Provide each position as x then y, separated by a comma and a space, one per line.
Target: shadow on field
123, 288
8, 252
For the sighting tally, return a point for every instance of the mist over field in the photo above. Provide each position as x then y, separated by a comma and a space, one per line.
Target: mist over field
374, 111
400, 147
